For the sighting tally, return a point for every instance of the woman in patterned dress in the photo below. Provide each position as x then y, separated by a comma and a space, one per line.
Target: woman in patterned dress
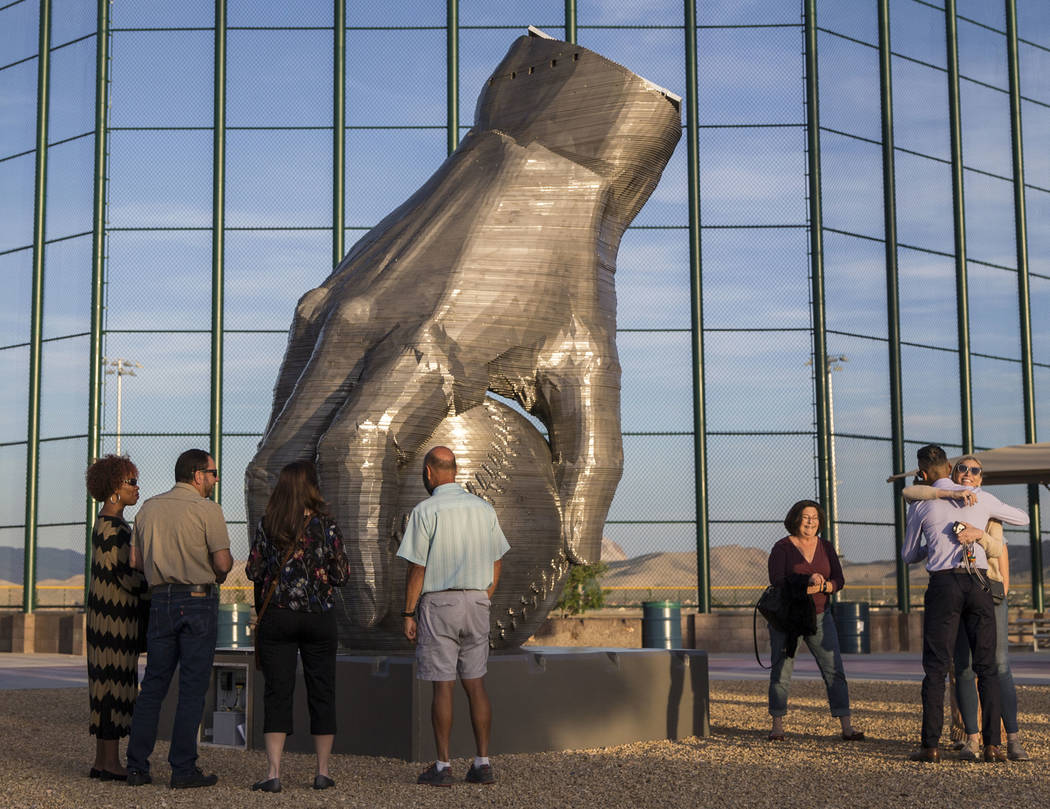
115, 619
298, 619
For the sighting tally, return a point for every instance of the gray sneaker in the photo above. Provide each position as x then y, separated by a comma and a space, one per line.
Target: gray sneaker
967, 753
1015, 752
481, 775
434, 777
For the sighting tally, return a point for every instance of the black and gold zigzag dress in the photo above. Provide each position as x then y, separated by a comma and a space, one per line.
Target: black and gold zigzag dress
115, 622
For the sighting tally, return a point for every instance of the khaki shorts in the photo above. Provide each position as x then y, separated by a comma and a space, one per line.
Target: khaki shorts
453, 635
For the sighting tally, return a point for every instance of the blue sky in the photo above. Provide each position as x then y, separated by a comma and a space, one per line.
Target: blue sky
753, 209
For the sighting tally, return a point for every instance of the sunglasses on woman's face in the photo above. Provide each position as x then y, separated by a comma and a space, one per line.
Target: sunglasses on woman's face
962, 469
132, 481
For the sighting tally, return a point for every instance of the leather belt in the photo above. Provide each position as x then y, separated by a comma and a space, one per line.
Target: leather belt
175, 587
962, 570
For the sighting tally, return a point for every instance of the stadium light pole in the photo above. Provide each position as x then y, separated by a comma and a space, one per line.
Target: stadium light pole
120, 367
833, 365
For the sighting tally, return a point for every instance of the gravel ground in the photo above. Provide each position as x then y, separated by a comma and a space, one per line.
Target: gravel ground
47, 753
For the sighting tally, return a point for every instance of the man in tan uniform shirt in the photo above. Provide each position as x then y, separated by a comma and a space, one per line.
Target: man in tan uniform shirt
181, 544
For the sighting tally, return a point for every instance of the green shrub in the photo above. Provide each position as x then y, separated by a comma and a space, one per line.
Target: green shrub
582, 591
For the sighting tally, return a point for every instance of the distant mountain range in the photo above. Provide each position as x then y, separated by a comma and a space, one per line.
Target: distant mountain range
730, 564
734, 564
51, 563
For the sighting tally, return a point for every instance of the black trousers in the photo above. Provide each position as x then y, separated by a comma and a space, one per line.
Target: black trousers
956, 602
284, 635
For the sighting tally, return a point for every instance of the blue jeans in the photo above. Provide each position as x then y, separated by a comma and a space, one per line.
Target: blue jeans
824, 646
966, 680
182, 632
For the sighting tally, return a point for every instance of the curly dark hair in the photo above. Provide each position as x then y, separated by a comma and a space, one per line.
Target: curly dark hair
106, 474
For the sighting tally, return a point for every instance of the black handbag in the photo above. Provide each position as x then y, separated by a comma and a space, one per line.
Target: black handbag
993, 587
788, 609
772, 605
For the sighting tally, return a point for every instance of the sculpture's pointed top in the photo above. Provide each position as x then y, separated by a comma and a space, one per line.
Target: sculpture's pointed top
533, 31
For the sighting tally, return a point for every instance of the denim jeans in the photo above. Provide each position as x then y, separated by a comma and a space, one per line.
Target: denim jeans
182, 632
966, 680
824, 646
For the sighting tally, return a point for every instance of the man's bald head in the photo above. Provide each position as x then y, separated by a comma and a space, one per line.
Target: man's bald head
439, 467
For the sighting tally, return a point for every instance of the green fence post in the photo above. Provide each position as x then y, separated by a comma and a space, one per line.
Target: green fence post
98, 258
1024, 294
218, 244
893, 317
36, 329
962, 302
570, 21
696, 299
816, 259
452, 72
339, 134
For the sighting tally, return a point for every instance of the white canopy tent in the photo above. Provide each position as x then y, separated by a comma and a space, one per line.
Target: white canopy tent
1019, 463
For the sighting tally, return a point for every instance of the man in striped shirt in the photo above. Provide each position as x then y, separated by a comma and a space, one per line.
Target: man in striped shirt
453, 544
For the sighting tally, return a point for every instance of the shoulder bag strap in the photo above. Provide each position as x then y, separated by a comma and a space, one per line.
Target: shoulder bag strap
754, 626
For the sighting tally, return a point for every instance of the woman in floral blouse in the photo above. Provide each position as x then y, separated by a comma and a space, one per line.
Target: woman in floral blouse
298, 552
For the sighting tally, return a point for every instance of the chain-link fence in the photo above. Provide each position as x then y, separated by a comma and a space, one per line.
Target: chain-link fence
844, 247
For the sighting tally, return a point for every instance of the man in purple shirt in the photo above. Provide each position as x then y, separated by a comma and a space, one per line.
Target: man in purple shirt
955, 594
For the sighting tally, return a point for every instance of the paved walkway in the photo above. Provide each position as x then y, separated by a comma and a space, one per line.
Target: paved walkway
19, 671
1029, 668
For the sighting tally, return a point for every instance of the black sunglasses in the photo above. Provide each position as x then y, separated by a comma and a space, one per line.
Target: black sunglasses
214, 472
963, 468
132, 481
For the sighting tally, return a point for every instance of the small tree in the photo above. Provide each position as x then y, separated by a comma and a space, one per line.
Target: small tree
582, 591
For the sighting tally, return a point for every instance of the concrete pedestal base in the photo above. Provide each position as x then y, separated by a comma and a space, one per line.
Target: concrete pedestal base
542, 699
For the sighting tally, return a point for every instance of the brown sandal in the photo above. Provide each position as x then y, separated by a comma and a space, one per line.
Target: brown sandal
853, 736
775, 737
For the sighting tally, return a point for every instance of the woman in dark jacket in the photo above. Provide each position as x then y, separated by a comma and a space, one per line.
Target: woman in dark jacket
297, 557
807, 562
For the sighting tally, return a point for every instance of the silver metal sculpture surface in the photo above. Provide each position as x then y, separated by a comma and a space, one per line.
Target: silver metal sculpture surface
496, 275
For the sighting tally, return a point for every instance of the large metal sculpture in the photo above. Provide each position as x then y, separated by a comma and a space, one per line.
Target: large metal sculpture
497, 275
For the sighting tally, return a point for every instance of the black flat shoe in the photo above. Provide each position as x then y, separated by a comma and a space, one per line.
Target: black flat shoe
138, 778
271, 785
106, 775
323, 782
95, 773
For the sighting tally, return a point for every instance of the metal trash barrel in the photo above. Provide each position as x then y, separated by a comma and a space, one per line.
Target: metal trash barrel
234, 620
853, 627
661, 625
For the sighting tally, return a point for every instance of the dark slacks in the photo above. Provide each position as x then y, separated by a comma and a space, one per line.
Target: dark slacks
956, 603
284, 635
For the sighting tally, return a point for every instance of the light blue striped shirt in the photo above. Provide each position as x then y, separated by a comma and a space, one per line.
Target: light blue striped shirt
932, 520
456, 537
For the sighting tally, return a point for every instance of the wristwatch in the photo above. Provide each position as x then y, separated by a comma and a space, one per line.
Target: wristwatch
409, 614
